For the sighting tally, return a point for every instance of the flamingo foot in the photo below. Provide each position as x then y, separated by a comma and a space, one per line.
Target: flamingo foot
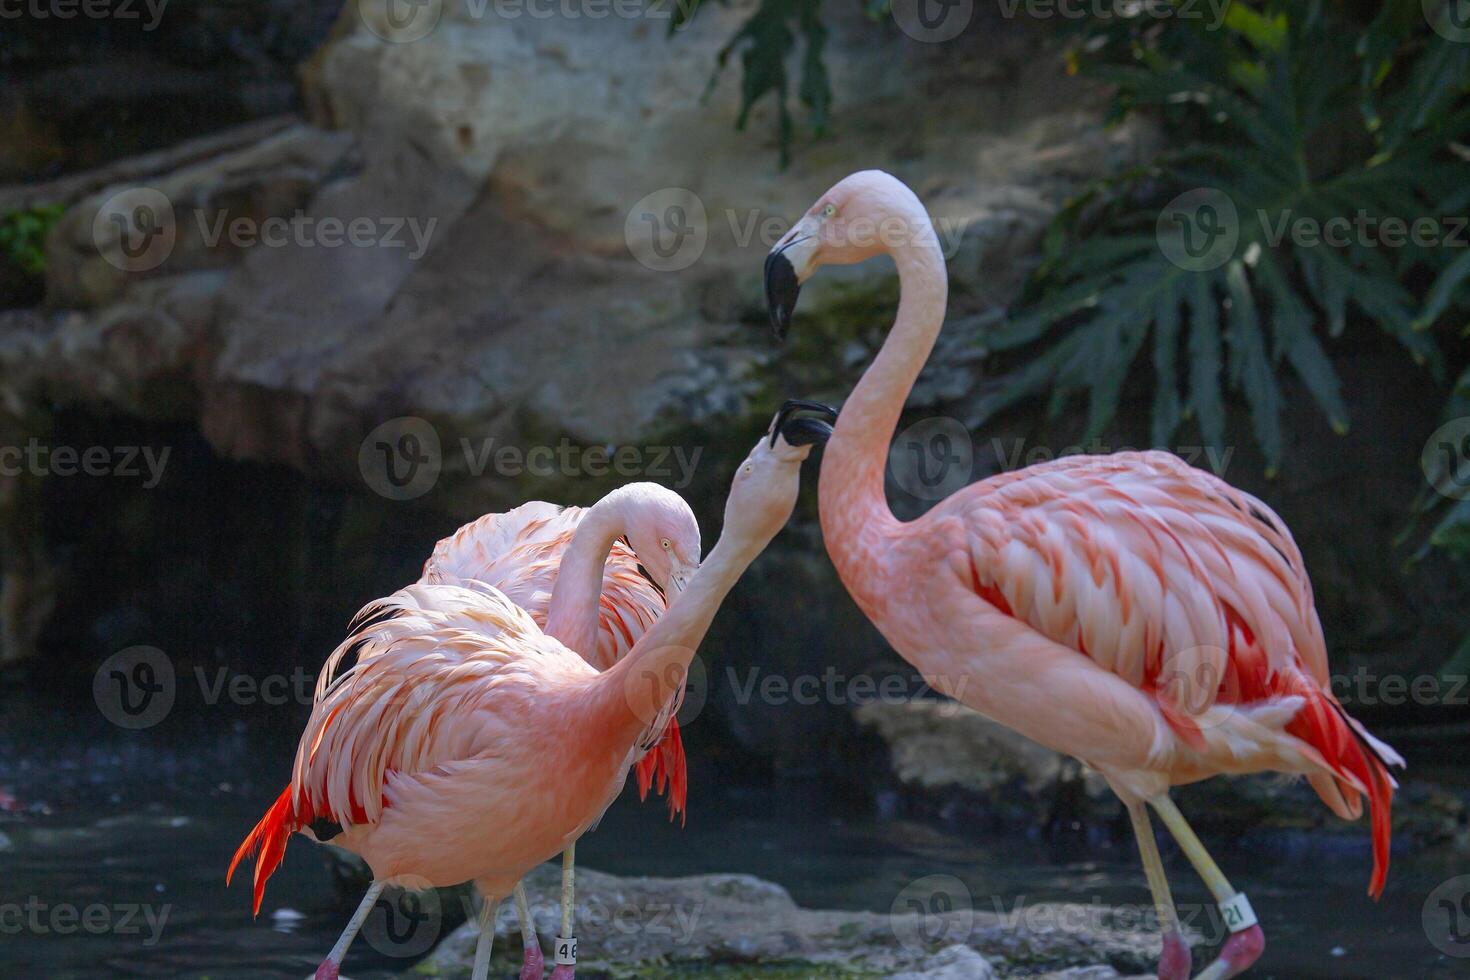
1240, 951
534, 964
564, 972
1175, 961
327, 971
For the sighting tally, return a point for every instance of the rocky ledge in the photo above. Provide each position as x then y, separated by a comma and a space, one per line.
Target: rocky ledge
948, 761
738, 926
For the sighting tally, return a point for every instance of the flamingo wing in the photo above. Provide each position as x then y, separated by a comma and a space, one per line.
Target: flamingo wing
438, 655
1146, 565
1185, 587
519, 553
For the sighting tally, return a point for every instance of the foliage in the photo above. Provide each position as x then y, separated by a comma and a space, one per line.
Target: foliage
1289, 114
23, 236
764, 42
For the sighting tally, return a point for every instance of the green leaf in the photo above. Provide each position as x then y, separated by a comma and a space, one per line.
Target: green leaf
1444, 292
1250, 366
1205, 397
1166, 410
1294, 335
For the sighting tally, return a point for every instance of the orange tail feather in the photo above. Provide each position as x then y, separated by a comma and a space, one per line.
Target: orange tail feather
667, 766
270, 837
1358, 763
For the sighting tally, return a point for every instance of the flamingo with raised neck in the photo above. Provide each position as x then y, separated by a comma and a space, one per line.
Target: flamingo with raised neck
1129, 610
609, 570
429, 759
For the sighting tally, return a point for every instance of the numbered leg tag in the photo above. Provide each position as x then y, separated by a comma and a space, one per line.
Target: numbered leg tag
1239, 916
566, 948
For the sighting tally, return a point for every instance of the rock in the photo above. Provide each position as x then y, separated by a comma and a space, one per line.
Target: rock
944, 753
955, 963
649, 927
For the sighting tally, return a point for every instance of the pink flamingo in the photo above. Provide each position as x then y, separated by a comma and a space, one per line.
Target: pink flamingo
608, 597
1128, 610
429, 758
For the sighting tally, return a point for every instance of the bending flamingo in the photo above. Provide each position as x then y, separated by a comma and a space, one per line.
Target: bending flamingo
1128, 610
429, 758
600, 607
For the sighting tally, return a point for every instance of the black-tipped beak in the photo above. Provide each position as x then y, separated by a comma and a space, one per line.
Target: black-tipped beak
798, 428
782, 289
806, 432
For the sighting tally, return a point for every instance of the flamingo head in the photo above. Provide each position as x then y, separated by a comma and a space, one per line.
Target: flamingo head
862, 215
763, 493
662, 531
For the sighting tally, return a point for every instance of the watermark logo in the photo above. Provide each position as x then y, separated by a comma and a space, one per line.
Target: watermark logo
1446, 917
401, 458
933, 458
400, 21
86, 9
42, 918
1450, 19
134, 688
933, 21
667, 230
405, 922
36, 458
934, 911
1446, 459
135, 230
644, 687
1199, 229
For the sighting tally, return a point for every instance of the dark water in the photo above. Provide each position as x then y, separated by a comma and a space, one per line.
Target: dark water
121, 826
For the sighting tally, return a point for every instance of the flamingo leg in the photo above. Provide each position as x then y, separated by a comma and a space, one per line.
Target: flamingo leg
566, 942
486, 942
1246, 942
332, 965
534, 963
1174, 962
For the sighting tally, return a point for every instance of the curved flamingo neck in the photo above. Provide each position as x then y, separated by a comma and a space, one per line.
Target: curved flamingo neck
574, 613
854, 508
626, 698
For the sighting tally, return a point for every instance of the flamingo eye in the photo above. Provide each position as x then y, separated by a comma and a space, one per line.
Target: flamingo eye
666, 543
829, 210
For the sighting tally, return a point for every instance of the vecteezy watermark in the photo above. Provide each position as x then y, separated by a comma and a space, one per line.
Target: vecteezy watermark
1199, 229
1019, 455
1450, 19
402, 458
123, 10
36, 458
932, 912
1019, 915
932, 458
1365, 688
402, 21
39, 917
669, 230
833, 687
1212, 12
933, 21
302, 230
135, 688
650, 685
406, 922
135, 229
1446, 917
1445, 459
138, 687
1364, 229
